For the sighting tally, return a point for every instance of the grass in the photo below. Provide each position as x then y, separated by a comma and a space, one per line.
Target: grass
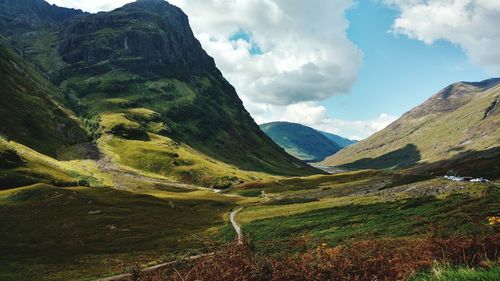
447, 273
32, 111
337, 219
77, 233
336, 185
166, 157
34, 167
195, 113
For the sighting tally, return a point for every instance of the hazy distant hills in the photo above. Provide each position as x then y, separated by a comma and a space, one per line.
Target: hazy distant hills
341, 141
457, 130
137, 81
304, 142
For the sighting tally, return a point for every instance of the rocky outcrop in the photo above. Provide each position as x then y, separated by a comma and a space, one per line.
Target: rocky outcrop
149, 38
33, 13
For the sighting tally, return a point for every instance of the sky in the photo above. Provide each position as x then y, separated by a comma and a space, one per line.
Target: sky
345, 66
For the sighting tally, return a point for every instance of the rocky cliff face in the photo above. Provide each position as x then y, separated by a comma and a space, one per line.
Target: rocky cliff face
149, 38
33, 13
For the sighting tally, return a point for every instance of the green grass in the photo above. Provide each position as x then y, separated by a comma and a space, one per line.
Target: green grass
33, 167
327, 185
166, 157
366, 217
77, 233
442, 273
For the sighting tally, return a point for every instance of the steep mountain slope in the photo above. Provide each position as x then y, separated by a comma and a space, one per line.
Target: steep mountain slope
341, 141
31, 109
456, 129
35, 127
148, 92
300, 141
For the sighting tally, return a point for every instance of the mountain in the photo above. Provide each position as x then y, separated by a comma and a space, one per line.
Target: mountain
143, 87
32, 111
303, 142
456, 130
341, 141
30, 14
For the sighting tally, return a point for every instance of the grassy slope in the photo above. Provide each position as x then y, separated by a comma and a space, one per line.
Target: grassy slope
435, 135
458, 214
31, 111
20, 166
75, 233
300, 141
163, 156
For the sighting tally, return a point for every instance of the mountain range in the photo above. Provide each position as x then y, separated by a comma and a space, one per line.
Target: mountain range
455, 131
303, 142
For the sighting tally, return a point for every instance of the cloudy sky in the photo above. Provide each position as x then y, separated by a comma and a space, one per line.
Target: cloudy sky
348, 67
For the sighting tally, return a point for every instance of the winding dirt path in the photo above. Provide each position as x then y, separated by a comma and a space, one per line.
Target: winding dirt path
237, 228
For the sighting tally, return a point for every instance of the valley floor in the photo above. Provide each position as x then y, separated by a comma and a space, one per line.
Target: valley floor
86, 233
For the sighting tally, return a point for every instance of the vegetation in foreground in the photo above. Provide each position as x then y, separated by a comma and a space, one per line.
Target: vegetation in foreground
381, 259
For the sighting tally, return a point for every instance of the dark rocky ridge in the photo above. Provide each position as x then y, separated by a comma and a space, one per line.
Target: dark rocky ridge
33, 13
150, 38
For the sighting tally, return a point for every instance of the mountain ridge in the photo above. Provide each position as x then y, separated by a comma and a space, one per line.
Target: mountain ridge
439, 134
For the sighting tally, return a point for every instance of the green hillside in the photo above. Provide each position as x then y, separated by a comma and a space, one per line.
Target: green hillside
455, 131
32, 110
303, 142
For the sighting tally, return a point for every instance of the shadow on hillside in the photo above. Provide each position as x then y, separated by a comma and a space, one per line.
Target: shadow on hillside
473, 163
87, 150
403, 157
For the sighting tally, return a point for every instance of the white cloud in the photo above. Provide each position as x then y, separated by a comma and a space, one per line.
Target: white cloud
304, 51
472, 24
